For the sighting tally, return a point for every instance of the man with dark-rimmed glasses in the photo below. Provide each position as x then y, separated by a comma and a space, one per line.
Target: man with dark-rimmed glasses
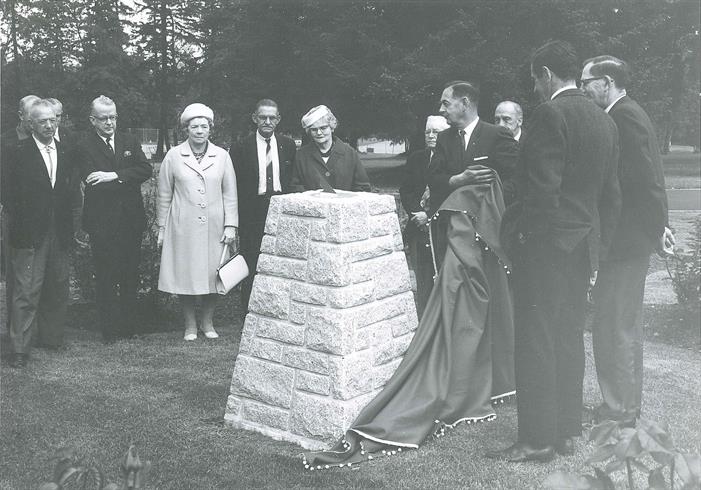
113, 167
617, 330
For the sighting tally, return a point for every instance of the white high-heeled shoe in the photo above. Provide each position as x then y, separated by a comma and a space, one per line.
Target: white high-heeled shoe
190, 334
210, 333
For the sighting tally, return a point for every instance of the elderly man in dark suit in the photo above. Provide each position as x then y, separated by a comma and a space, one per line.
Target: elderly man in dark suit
509, 115
8, 142
569, 201
263, 164
38, 195
469, 142
617, 328
113, 167
415, 199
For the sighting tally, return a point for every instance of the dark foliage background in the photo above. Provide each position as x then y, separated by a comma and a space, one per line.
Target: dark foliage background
380, 65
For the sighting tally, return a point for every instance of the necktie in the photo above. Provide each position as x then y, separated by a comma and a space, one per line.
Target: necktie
52, 165
268, 168
107, 142
461, 132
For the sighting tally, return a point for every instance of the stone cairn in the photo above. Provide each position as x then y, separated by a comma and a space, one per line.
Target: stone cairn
330, 317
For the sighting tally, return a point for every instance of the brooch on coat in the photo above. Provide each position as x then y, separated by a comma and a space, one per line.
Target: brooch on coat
127, 153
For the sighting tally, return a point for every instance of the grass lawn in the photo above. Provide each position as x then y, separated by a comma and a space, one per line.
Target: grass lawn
168, 397
682, 170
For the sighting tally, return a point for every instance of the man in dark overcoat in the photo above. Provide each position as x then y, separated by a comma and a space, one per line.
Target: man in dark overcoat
568, 204
113, 166
617, 329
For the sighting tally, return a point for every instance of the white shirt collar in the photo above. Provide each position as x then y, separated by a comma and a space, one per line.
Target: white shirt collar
614, 102
517, 136
469, 129
51, 146
566, 87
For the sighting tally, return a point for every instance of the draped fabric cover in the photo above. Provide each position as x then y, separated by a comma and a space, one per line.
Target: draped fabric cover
462, 352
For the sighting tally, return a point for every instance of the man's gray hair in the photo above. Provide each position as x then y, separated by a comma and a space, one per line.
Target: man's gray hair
40, 103
515, 105
55, 102
26, 102
101, 100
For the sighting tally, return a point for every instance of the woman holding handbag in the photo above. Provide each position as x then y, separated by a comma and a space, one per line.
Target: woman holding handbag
197, 218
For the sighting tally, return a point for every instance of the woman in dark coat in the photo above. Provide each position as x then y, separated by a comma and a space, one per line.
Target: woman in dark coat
326, 162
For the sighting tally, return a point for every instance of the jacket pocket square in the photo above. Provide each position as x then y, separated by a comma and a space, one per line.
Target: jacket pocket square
127, 153
477, 159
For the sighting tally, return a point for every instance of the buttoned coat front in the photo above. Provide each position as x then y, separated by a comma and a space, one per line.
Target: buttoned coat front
195, 202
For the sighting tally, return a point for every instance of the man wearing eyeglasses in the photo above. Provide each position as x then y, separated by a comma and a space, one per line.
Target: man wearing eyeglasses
617, 330
263, 164
113, 167
38, 198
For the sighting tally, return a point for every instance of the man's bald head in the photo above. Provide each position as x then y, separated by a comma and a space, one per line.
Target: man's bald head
509, 115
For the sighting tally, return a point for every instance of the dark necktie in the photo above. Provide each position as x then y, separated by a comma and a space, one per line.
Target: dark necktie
107, 142
269, 188
461, 136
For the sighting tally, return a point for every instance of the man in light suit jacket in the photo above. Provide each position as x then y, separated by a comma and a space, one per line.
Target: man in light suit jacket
38, 196
263, 164
569, 201
113, 167
617, 328
469, 142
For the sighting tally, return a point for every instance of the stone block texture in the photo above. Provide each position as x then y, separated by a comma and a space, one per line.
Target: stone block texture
330, 318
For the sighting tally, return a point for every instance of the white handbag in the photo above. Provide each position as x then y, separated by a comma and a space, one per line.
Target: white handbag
231, 271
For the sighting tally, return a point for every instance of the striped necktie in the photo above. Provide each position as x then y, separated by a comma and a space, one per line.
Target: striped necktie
269, 189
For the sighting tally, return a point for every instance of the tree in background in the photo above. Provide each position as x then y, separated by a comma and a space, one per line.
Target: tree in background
380, 65
168, 40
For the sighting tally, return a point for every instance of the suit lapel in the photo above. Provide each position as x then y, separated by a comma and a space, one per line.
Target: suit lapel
118, 150
255, 171
60, 163
37, 163
102, 148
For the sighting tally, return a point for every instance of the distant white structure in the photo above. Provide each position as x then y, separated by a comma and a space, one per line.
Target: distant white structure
375, 145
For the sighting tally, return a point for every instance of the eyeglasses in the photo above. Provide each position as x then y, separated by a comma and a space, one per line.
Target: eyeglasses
320, 129
431, 131
586, 81
44, 122
267, 118
105, 118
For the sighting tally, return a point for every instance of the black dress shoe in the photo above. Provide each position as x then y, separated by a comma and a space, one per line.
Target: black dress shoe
565, 446
521, 452
19, 360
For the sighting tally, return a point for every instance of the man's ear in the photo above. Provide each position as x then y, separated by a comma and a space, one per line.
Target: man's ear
253, 118
547, 73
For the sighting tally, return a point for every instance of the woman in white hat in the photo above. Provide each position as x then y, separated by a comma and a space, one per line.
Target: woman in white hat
326, 162
197, 216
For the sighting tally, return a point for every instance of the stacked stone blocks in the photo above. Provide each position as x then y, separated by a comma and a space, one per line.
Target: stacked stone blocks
330, 316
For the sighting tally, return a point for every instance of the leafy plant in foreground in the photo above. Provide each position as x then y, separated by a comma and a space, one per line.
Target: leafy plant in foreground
628, 449
74, 472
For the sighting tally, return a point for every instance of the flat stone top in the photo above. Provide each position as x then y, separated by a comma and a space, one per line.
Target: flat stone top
317, 202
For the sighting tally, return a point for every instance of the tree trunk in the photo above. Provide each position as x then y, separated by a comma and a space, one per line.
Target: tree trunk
676, 84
